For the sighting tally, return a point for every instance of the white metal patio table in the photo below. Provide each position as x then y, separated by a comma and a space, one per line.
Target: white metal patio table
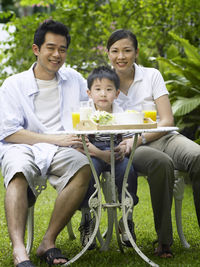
95, 201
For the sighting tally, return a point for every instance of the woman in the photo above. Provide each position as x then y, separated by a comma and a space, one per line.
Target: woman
157, 154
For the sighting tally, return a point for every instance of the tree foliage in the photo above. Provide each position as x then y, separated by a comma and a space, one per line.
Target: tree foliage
182, 75
91, 22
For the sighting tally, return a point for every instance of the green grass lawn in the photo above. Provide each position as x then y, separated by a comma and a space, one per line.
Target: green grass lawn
145, 232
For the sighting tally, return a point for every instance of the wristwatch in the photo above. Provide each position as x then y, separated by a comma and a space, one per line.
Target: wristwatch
144, 140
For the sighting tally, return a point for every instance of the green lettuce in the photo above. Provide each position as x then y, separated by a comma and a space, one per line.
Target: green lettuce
102, 117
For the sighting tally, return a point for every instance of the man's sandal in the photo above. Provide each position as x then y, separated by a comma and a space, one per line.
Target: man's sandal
51, 254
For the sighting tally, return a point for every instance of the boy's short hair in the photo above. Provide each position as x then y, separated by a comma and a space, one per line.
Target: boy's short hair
53, 27
103, 72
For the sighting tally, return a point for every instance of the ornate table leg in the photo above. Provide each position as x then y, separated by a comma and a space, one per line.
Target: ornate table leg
107, 235
95, 205
114, 200
127, 204
111, 204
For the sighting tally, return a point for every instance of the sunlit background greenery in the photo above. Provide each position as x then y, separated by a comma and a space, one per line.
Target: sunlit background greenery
168, 35
167, 30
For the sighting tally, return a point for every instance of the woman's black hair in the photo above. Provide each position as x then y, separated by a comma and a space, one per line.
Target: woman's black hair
122, 34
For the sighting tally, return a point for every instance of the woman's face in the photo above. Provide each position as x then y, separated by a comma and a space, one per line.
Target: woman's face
122, 55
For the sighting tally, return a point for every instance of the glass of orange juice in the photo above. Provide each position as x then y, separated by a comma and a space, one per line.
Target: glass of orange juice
75, 116
149, 110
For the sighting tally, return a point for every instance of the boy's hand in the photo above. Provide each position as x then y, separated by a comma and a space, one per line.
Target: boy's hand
120, 152
93, 150
126, 145
96, 152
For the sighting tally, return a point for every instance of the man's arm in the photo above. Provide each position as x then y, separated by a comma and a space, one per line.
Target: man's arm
31, 138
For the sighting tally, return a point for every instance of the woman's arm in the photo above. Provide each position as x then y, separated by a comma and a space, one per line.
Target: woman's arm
166, 119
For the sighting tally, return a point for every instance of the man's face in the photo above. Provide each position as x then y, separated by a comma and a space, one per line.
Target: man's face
51, 56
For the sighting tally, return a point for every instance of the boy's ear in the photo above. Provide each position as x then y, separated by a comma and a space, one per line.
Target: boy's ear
89, 93
117, 93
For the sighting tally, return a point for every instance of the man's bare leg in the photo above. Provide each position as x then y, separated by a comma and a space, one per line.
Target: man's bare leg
16, 206
66, 204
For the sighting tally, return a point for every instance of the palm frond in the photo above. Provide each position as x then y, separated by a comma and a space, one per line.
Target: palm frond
184, 105
190, 50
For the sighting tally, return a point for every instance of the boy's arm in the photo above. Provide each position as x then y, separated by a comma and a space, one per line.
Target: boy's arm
98, 153
105, 155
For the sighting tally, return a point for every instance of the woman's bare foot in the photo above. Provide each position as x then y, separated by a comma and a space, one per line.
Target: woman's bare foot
163, 251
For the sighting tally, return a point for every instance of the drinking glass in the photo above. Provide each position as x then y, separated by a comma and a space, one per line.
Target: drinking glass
85, 110
149, 111
75, 111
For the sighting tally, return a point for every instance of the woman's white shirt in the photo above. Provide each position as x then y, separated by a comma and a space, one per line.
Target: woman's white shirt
148, 85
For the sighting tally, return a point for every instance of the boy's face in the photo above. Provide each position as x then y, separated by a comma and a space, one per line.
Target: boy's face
103, 93
50, 56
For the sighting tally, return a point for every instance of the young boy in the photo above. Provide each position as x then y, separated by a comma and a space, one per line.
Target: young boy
103, 89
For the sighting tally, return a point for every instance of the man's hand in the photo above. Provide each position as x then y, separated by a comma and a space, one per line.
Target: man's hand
69, 140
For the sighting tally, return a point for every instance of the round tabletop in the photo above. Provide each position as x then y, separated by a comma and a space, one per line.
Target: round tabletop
124, 131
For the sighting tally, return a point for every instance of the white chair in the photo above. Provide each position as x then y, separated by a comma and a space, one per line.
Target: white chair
95, 206
178, 193
30, 229
178, 197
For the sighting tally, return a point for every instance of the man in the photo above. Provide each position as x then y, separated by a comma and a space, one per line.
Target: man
34, 105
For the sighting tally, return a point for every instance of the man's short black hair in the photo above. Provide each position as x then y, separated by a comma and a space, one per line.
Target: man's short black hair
50, 26
103, 72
